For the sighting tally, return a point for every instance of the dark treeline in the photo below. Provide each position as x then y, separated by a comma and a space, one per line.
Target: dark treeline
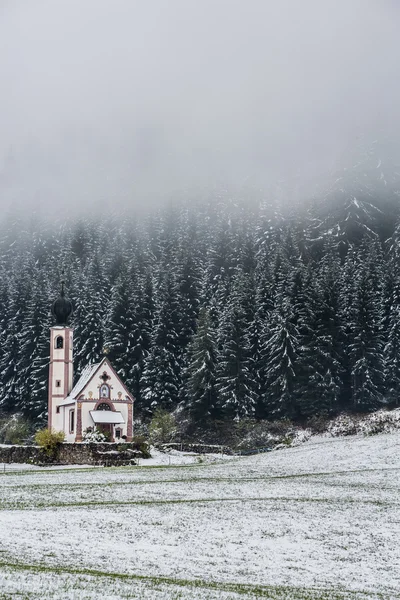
225, 309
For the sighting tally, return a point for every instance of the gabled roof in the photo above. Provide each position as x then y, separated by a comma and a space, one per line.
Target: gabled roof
87, 374
85, 377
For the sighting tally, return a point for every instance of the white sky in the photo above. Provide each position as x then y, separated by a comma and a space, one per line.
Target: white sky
124, 98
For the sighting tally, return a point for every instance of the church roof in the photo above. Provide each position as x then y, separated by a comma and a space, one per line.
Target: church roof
66, 402
88, 372
85, 377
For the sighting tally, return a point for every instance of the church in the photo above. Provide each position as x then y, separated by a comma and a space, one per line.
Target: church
99, 399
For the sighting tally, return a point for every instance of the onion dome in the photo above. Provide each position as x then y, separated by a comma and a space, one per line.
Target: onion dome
62, 308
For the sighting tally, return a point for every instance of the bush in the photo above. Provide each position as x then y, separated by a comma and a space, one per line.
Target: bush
49, 440
139, 443
163, 427
382, 421
342, 425
142, 445
14, 430
93, 435
319, 423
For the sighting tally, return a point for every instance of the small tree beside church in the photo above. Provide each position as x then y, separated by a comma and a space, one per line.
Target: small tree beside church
163, 427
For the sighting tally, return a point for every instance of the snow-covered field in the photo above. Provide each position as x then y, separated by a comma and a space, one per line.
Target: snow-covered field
321, 520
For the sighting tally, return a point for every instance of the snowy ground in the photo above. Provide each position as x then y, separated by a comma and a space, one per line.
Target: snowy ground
318, 521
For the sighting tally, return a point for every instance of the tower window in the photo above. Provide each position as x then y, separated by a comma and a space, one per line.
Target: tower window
71, 421
59, 345
57, 409
58, 382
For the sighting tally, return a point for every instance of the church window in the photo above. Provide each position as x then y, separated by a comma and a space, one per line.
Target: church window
71, 421
58, 382
59, 345
118, 433
57, 409
104, 391
104, 406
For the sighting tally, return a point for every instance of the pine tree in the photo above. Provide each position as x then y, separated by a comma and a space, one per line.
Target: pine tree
318, 365
392, 349
33, 364
121, 325
200, 379
280, 352
89, 312
366, 348
161, 377
235, 387
10, 358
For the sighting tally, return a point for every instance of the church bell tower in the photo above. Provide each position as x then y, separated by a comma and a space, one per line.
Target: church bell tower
61, 356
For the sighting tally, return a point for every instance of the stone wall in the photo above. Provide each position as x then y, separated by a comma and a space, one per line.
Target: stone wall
197, 448
74, 454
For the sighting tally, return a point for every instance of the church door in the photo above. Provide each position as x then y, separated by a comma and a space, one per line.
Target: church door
107, 429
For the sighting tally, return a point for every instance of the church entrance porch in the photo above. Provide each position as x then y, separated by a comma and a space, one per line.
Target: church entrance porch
105, 420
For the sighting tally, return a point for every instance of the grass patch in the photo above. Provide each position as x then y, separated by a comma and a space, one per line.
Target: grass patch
101, 503
257, 591
47, 471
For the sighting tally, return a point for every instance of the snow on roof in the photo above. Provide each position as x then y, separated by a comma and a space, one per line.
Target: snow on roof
68, 400
85, 377
107, 416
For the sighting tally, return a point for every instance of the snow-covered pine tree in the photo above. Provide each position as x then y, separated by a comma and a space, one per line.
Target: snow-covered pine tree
318, 366
200, 389
234, 383
89, 314
161, 377
34, 352
366, 346
280, 353
392, 348
121, 332
10, 357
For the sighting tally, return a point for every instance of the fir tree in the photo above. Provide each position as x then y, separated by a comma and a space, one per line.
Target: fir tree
200, 378
280, 352
161, 377
392, 349
237, 396
366, 348
33, 365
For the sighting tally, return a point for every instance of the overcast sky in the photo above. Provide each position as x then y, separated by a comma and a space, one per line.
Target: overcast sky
126, 100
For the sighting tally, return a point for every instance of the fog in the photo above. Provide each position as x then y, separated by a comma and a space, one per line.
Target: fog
130, 102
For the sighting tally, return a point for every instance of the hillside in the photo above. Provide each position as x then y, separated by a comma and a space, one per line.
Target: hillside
227, 307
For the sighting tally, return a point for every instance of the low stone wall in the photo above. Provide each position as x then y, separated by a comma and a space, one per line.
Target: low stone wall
74, 454
197, 448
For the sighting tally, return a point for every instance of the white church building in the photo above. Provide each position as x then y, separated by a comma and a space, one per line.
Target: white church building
99, 400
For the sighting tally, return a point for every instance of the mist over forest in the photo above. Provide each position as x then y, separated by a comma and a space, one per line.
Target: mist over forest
219, 182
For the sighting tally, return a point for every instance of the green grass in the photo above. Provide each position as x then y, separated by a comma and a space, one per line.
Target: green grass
257, 591
100, 503
43, 470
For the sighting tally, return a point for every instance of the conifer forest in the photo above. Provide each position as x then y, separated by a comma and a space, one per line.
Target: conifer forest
228, 308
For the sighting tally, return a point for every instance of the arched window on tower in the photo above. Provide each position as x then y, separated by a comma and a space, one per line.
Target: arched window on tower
59, 342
